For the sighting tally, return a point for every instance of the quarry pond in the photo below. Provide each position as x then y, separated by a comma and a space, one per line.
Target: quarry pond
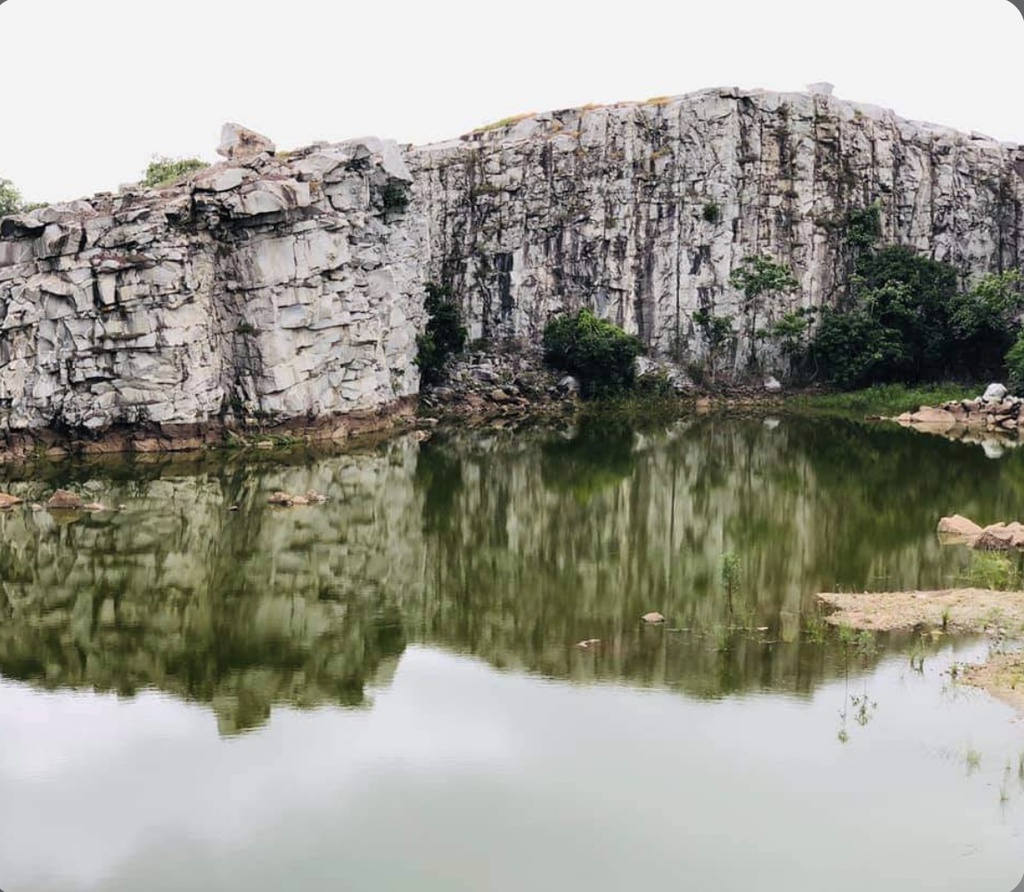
438, 679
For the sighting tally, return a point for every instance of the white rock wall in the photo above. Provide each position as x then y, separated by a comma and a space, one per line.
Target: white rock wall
273, 289
605, 206
283, 288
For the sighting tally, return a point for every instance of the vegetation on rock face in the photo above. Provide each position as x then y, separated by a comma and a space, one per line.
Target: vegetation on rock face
904, 318
718, 335
444, 335
762, 281
599, 353
164, 171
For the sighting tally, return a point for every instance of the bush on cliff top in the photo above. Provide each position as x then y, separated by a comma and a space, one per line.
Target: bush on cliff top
599, 353
10, 198
164, 171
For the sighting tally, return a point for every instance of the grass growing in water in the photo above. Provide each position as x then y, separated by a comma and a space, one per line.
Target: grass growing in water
885, 399
973, 760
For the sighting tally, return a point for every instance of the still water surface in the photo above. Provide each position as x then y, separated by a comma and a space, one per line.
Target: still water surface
384, 693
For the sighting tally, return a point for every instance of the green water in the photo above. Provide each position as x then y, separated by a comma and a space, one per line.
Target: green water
385, 692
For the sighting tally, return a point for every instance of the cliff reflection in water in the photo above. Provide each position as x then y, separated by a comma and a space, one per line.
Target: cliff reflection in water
512, 547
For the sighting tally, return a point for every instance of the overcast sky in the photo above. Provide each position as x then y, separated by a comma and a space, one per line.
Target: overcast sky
93, 90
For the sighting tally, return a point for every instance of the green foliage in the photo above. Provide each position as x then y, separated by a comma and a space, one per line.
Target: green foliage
854, 348
444, 335
599, 353
731, 572
905, 320
760, 279
759, 275
862, 227
882, 399
10, 199
1015, 365
718, 334
164, 171
992, 570
712, 212
984, 320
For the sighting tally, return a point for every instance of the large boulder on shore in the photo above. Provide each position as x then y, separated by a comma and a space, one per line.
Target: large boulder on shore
995, 393
958, 528
1000, 537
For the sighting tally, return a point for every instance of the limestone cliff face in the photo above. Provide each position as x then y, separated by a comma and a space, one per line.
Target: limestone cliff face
278, 288
263, 288
643, 210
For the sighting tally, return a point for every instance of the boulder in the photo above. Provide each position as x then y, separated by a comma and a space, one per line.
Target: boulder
772, 385
62, 500
995, 393
238, 143
932, 416
569, 386
8, 501
1000, 537
959, 528
653, 618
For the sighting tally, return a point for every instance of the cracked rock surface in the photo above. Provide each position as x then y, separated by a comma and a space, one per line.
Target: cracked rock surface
273, 288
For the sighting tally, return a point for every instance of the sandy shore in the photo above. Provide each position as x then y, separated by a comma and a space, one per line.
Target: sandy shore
965, 610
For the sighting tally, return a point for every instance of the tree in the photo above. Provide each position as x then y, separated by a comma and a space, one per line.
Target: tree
444, 335
601, 354
10, 198
984, 321
760, 278
718, 334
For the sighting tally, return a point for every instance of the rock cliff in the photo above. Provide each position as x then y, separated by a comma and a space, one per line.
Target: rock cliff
642, 210
263, 289
287, 288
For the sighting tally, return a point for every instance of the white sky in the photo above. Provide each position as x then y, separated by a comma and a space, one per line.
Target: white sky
93, 89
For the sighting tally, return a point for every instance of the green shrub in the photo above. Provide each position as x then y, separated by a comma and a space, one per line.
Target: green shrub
10, 199
862, 227
444, 335
904, 320
712, 212
760, 279
599, 353
718, 335
1015, 365
164, 171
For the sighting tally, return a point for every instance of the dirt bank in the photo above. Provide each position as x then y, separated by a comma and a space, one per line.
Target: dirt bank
964, 610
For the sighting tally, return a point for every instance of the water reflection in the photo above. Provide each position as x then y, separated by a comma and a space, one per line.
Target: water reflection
511, 547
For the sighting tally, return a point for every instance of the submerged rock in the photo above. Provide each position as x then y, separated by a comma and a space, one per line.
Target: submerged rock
62, 500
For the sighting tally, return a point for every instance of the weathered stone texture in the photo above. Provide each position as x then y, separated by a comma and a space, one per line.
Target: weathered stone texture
282, 288
267, 288
643, 210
